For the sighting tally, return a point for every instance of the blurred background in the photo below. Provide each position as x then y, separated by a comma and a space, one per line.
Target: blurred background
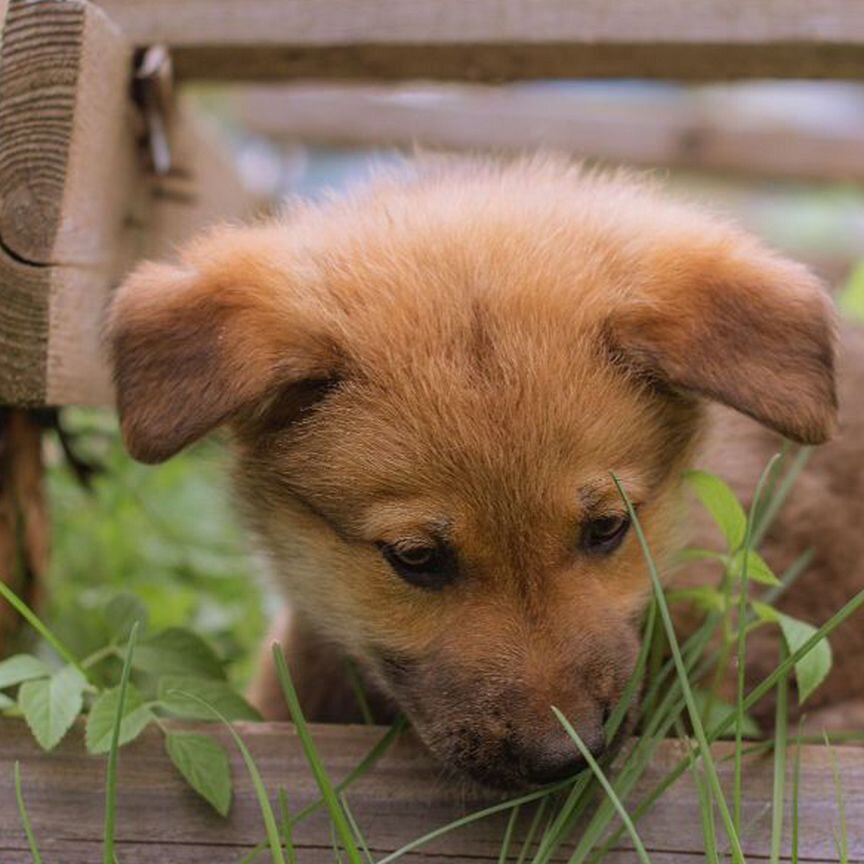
786, 159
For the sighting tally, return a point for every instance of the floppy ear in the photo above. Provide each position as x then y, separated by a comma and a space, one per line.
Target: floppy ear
220, 337
730, 321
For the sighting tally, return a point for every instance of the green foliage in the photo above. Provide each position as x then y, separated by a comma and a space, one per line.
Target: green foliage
183, 696
120, 710
165, 537
50, 705
851, 299
812, 669
178, 652
134, 719
721, 503
204, 764
21, 667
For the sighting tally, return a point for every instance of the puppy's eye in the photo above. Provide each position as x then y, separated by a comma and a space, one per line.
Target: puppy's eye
604, 535
430, 567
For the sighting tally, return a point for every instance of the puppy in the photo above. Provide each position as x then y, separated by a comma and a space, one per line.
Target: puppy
429, 385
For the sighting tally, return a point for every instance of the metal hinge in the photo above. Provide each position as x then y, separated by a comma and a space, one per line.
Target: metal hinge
153, 90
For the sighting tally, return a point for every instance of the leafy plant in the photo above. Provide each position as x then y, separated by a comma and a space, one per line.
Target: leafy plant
171, 674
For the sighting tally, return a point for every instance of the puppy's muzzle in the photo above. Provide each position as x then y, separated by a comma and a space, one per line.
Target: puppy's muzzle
554, 755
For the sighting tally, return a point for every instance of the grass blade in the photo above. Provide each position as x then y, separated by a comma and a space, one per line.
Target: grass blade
607, 786
743, 602
504, 854
337, 813
692, 709
766, 518
287, 826
778, 795
25, 816
108, 853
532, 829
380, 748
273, 837
359, 693
358, 834
843, 841
838, 618
472, 817
706, 806
579, 795
368, 761
33, 620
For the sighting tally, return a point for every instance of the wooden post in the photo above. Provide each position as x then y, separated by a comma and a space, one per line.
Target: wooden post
67, 153
78, 204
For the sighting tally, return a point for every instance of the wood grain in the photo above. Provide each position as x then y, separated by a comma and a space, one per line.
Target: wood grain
77, 203
495, 40
704, 129
403, 797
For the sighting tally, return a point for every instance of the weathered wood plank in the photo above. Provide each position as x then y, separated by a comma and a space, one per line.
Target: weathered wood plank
66, 151
77, 204
701, 130
402, 798
502, 39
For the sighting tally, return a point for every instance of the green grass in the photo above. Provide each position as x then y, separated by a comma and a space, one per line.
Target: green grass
25, 817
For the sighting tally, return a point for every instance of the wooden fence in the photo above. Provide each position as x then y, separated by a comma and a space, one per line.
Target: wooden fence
402, 798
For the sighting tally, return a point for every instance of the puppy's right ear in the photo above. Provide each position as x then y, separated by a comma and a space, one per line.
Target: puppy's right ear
215, 339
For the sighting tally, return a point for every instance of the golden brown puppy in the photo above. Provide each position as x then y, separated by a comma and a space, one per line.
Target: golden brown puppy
429, 384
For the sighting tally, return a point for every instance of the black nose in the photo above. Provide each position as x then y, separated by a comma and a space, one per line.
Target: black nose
555, 756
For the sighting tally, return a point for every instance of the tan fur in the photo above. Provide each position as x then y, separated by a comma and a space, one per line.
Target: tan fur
471, 349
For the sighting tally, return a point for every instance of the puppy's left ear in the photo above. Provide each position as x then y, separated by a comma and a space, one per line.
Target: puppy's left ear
731, 321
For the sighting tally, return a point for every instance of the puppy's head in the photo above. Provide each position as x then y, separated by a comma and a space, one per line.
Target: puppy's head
430, 386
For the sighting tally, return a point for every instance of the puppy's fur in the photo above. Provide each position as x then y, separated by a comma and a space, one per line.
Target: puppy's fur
463, 354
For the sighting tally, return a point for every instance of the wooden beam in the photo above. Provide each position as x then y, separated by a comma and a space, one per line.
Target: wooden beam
56, 199
705, 129
77, 205
496, 40
402, 798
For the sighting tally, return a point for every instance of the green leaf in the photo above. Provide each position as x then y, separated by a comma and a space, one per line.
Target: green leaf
50, 705
812, 669
100, 722
178, 652
220, 695
720, 501
204, 764
814, 666
758, 569
765, 612
720, 710
5, 702
121, 612
21, 667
